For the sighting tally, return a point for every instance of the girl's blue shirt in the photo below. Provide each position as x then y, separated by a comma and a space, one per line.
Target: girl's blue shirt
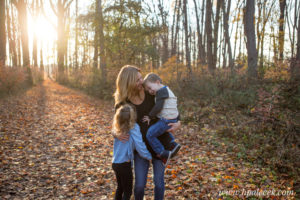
123, 151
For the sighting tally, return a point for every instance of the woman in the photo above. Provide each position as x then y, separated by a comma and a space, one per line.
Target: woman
129, 88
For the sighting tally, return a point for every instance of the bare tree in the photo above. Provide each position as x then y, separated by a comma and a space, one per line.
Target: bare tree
96, 37
174, 38
295, 65
250, 35
164, 35
208, 30
282, 4
101, 41
226, 31
60, 11
35, 12
265, 19
201, 49
187, 50
292, 24
76, 35
22, 18
12, 48
216, 34
2, 33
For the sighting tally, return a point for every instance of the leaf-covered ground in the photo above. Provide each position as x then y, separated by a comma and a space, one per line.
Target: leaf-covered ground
55, 143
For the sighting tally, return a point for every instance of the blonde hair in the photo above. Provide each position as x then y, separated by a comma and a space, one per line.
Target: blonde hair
126, 83
124, 119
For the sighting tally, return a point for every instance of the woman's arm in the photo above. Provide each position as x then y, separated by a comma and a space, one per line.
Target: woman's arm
174, 127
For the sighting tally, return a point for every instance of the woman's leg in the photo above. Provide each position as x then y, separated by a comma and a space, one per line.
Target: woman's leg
141, 167
158, 176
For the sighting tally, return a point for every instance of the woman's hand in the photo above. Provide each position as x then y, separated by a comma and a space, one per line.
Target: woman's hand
174, 127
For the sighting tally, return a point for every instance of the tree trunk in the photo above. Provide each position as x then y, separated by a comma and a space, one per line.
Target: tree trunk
258, 22
208, 29
102, 44
294, 27
274, 45
19, 46
76, 37
281, 28
22, 18
226, 31
186, 31
202, 30
236, 37
174, 47
295, 65
201, 50
173, 26
2, 33
164, 36
41, 60
60, 12
96, 36
35, 16
251, 41
11, 36
60, 41
216, 34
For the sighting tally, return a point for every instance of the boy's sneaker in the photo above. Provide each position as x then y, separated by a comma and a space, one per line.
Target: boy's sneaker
175, 150
165, 157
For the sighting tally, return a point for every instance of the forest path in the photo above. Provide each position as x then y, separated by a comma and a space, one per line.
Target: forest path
55, 143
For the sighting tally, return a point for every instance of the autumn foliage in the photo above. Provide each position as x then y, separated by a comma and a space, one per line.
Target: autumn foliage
11, 79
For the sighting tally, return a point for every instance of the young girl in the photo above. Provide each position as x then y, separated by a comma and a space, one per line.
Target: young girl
124, 122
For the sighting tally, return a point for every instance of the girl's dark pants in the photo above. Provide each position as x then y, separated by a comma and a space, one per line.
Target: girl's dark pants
124, 177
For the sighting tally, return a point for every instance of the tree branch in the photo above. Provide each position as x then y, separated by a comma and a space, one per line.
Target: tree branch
53, 8
44, 14
68, 5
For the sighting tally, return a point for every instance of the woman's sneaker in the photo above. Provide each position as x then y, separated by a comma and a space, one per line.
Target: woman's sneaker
175, 150
165, 157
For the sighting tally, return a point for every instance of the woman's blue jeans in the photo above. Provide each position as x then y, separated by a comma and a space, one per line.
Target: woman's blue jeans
141, 167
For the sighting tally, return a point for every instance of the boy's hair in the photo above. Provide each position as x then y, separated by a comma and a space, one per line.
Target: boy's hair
124, 119
152, 78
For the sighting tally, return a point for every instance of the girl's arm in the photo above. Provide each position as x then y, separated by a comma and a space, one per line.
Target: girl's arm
139, 144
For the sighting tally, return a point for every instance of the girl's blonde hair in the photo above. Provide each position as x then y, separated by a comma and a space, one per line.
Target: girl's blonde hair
126, 83
124, 119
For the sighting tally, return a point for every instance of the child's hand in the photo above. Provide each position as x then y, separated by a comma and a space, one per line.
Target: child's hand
124, 138
146, 119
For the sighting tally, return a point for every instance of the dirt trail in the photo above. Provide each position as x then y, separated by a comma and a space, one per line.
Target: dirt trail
55, 144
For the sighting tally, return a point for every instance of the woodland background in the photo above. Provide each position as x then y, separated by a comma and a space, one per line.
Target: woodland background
234, 64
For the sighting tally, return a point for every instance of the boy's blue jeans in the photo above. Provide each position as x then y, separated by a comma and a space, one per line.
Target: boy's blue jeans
156, 130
